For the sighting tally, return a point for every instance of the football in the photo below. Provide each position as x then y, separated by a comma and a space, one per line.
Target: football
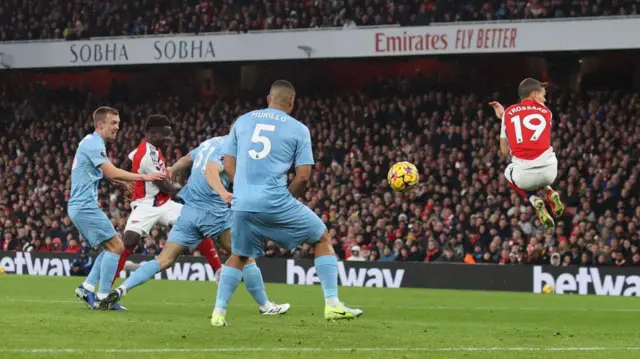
547, 289
403, 176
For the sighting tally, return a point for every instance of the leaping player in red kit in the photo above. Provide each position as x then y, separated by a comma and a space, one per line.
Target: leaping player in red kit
526, 135
151, 202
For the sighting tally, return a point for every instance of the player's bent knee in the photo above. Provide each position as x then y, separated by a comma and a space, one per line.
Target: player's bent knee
239, 257
166, 259
237, 261
225, 240
114, 245
131, 239
169, 254
323, 247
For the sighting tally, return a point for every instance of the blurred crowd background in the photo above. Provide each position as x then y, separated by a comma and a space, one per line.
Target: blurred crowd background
461, 211
436, 116
71, 20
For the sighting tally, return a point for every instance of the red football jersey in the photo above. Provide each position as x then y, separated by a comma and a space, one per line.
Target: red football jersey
527, 127
147, 160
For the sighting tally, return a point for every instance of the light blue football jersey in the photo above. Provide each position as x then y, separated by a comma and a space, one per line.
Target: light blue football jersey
266, 143
197, 192
86, 173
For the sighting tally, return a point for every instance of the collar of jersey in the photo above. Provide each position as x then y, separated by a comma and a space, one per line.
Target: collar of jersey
98, 135
276, 110
150, 145
530, 101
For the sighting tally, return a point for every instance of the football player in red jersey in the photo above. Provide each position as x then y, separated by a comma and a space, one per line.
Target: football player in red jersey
151, 202
526, 136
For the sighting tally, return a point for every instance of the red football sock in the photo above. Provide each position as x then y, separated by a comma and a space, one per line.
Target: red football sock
526, 195
208, 250
123, 259
548, 191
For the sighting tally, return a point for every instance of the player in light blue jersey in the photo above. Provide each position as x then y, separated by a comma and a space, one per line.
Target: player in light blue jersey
205, 214
262, 147
89, 166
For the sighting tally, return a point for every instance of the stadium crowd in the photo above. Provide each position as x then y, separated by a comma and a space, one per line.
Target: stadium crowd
52, 19
462, 209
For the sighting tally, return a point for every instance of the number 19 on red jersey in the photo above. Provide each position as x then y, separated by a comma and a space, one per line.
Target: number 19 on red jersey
527, 127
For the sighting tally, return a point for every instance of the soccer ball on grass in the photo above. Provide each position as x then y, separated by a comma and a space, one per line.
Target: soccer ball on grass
403, 176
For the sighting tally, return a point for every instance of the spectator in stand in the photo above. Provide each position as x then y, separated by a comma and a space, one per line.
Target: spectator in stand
388, 255
82, 264
31, 19
462, 205
448, 256
635, 260
555, 260
56, 245
355, 255
72, 246
10, 244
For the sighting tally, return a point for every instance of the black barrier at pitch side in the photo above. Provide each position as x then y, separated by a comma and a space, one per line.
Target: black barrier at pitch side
520, 278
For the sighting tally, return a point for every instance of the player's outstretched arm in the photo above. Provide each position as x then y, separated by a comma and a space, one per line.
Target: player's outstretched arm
504, 142
127, 186
299, 183
212, 174
504, 148
497, 108
126, 165
182, 164
112, 172
230, 166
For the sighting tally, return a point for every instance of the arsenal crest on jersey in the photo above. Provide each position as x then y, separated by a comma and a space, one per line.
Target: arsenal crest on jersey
154, 156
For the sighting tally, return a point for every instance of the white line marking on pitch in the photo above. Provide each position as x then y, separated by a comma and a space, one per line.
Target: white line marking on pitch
426, 307
307, 349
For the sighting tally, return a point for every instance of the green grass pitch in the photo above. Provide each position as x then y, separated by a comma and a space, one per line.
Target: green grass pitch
40, 318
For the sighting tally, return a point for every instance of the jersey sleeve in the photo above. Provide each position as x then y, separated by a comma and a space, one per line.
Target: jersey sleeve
194, 153
503, 127
231, 144
304, 153
150, 163
216, 155
97, 154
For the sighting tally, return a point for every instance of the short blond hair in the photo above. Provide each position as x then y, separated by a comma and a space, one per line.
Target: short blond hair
101, 113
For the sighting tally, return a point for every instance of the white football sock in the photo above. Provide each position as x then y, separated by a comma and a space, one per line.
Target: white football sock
332, 302
266, 307
533, 199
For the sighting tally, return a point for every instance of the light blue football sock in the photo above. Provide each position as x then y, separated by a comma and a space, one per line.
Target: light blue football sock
229, 280
252, 276
141, 275
91, 281
108, 270
327, 269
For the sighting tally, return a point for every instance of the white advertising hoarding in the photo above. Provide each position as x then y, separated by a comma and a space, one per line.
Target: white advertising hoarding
506, 37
